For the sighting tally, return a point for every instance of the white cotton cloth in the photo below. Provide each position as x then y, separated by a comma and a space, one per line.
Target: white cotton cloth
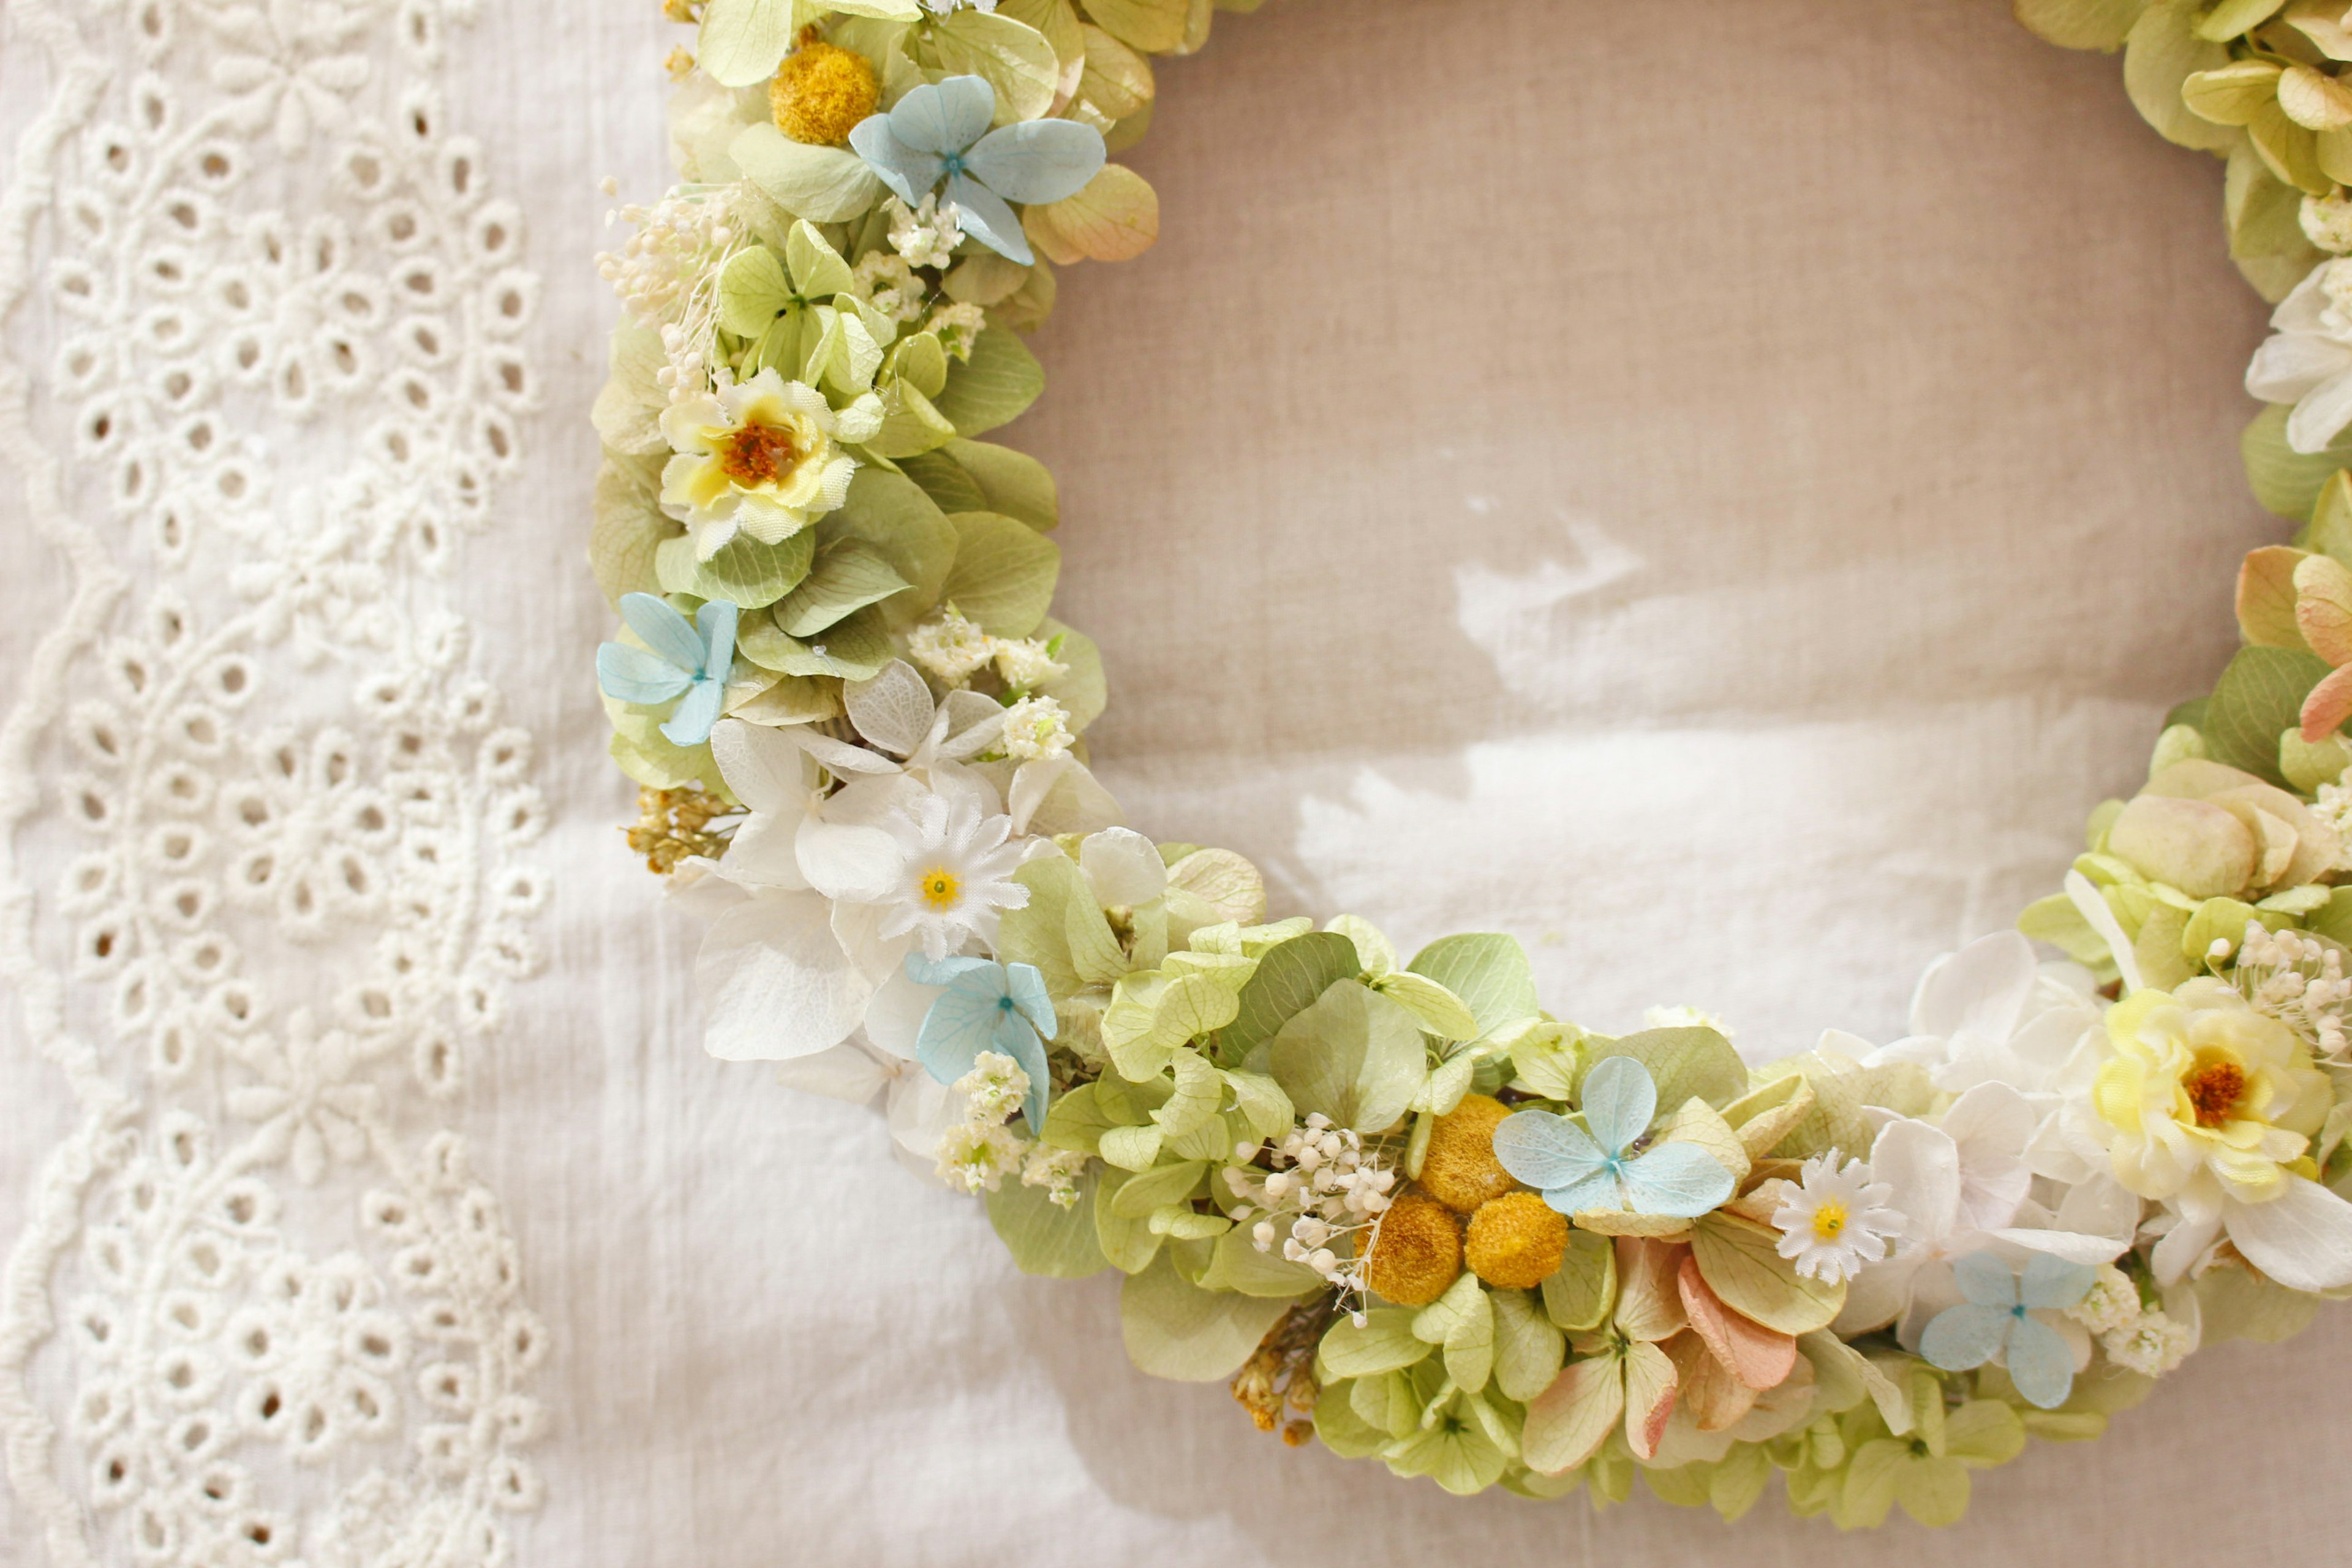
1720, 501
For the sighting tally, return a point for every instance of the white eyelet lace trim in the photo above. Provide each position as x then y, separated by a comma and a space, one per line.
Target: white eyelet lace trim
259, 822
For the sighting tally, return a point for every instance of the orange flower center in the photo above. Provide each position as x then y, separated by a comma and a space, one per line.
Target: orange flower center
2215, 1090
758, 455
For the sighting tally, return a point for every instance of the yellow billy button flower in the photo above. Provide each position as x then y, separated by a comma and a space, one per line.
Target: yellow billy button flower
821, 92
2203, 1096
758, 459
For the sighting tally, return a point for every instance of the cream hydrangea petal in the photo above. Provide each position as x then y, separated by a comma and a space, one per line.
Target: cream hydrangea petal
2324, 411
2301, 1238
1123, 867
775, 981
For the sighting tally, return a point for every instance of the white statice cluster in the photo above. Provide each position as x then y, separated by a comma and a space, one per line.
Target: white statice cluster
1056, 1170
958, 326
953, 648
2300, 981
890, 286
926, 234
2136, 1337
1036, 728
1320, 1196
980, 1150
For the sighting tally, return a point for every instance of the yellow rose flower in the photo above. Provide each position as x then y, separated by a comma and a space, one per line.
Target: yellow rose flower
758, 459
2203, 1098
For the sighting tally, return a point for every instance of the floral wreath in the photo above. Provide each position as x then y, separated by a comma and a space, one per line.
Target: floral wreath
1400, 1208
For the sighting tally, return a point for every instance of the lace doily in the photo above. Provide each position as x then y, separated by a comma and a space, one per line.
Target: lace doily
265, 873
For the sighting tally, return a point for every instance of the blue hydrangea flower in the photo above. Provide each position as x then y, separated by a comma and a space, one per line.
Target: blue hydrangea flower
678, 660
1577, 1169
1997, 1316
941, 132
987, 1006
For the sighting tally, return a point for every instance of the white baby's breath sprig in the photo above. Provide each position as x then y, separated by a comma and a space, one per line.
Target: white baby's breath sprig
1319, 1195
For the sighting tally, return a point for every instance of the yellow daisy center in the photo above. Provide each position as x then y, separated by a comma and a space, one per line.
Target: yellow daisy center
1829, 1221
941, 888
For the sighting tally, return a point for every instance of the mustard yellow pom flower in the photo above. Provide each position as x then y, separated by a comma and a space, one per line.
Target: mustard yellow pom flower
821, 92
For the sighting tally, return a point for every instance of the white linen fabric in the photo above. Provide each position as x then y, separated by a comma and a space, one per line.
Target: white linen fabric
1718, 495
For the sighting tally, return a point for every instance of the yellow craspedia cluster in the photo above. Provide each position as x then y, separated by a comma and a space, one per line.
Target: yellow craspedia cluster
1459, 1168
1516, 1241
1416, 1253
821, 92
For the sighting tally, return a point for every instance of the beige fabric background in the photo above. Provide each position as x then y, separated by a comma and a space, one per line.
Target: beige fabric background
1716, 489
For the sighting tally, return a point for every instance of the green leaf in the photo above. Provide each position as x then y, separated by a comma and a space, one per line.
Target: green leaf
891, 513
1044, 1237
1441, 1011
1154, 1188
628, 528
1130, 1245
2259, 695
2080, 23
921, 363
1569, 1421
743, 571
1529, 1349
1740, 1261
911, 425
1682, 1062
822, 184
1385, 1343
996, 386
1238, 1264
1037, 933
1176, 1331
2228, 19
1375, 954
752, 291
1008, 481
818, 272
2160, 52
854, 649
1005, 572
848, 576
1078, 1121
1288, 979
1489, 972
1200, 1092
1261, 1104
1340, 1428
944, 480
1544, 1059
2284, 480
1580, 1292
1132, 1148
1354, 1056
1463, 1321
1152, 1015
742, 41
1154, 27
1010, 57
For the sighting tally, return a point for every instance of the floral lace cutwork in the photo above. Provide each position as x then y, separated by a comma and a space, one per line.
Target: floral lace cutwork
264, 874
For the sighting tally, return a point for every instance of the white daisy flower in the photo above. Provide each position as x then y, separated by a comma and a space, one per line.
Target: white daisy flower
1837, 1220
956, 872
